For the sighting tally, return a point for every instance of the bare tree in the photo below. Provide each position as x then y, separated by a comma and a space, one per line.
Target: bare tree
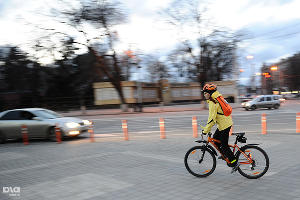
93, 23
157, 71
207, 56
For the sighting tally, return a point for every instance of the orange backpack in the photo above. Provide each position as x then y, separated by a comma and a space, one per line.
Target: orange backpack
227, 110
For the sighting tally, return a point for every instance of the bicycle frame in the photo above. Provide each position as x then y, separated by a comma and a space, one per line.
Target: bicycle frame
235, 148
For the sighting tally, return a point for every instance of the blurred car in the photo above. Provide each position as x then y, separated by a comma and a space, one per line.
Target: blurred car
40, 123
289, 96
247, 97
263, 101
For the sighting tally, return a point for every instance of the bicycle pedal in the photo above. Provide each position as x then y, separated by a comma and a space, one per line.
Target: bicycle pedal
235, 168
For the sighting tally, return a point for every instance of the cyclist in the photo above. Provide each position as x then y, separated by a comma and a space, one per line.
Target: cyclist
216, 116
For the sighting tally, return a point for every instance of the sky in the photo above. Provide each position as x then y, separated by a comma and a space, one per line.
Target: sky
272, 27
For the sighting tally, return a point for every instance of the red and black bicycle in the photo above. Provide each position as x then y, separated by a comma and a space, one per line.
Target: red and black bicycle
200, 161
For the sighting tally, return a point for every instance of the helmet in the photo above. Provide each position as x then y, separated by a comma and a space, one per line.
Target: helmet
209, 88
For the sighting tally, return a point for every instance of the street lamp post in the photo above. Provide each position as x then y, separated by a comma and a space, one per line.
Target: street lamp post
139, 98
140, 90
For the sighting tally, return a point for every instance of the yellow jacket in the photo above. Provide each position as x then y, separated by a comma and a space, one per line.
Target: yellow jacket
222, 121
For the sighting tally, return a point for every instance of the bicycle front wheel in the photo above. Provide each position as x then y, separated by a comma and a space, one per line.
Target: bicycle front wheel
254, 162
200, 161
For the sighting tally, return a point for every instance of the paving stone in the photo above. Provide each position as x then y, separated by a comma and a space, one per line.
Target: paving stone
145, 168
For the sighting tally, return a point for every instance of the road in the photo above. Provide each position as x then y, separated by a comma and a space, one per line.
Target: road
147, 167
281, 120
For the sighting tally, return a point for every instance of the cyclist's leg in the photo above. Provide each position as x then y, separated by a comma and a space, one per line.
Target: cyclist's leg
217, 135
224, 146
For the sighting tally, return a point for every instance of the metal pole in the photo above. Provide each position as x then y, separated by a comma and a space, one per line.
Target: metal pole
253, 77
140, 91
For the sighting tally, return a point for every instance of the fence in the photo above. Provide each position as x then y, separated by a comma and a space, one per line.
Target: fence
105, 93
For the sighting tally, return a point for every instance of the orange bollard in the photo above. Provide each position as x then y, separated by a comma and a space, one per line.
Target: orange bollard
125, 129
162, 128
195, 127
91, 131
298, 123
58, 134
24, 131
263, 124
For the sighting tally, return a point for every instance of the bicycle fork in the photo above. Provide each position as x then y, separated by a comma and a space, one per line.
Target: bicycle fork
203, 153
201, 159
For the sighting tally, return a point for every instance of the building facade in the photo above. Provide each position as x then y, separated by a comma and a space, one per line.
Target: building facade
274, 78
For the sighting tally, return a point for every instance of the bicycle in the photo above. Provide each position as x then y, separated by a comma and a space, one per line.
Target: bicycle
200, 161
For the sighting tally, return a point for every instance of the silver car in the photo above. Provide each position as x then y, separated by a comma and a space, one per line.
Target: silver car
40, 124
263, 101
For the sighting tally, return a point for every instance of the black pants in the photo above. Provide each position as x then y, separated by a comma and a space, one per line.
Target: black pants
223, 136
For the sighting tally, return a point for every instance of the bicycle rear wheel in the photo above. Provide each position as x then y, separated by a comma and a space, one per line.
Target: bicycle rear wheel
259, 165
200, 161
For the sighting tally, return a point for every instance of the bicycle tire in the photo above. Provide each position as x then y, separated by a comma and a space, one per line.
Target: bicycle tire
254, 172
203, 171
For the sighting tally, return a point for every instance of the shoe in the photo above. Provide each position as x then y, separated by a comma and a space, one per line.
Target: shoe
235, 168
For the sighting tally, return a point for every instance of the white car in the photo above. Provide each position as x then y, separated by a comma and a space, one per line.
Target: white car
40, 124
263, 101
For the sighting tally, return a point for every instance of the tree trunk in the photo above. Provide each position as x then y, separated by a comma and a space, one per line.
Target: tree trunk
118, 87
114, 79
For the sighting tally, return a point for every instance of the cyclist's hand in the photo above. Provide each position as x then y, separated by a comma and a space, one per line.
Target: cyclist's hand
203, 133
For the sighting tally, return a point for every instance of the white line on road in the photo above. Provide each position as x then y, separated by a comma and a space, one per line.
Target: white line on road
268, 119
258, 124
141, 132
107, 134
280, 130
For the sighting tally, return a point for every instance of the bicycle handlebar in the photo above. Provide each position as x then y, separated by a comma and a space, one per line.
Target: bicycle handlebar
202, 127
208, 134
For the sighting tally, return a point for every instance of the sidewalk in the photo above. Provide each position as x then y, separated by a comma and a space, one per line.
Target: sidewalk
143, 168
150, 109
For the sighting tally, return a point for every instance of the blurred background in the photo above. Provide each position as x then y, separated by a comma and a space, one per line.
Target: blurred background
84, 54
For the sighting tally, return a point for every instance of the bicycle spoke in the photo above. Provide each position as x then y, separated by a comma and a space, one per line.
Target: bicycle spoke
200, 162
254, 162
